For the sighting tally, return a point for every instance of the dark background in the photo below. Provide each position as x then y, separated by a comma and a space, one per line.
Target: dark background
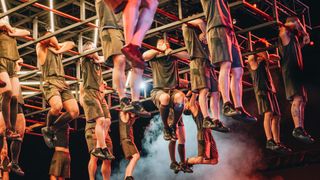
35, 156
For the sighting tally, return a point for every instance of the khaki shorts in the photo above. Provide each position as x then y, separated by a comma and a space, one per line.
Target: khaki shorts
94, 105
60, 164
202, 76
91, 137
9, 66
156, 93
127, 139
57, 87
223, 46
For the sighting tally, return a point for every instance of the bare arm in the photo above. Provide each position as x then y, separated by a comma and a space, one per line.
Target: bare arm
65, 46
199, 23
41, 53
19, 32
97, 58
284, 37
182, 55
150, 54
274, 57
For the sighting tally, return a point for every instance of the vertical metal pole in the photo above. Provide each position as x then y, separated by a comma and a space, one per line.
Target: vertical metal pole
82, 10
35, 28
276, 18
249, 41
180, 9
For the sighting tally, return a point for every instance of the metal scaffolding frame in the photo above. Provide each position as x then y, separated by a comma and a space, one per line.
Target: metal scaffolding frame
79, 27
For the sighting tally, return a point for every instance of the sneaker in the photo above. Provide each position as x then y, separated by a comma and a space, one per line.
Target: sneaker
139, 110
125, 105
207, 123
48, 137
301, 135
271, 145
98, 153
15, 168
244, 116
166, 134
175, 167
108, 154
283, 149
173, 133
2, 84
185, 168
218, 126
133, 54
229, 110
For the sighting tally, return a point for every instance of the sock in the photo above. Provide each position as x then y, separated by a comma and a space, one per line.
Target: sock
164, 113
172, 151
6, 98
178, 109
15, 150
182, 152
50, 119
13, 111
61, 121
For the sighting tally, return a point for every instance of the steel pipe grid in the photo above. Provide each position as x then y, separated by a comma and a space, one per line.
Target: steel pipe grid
151, 33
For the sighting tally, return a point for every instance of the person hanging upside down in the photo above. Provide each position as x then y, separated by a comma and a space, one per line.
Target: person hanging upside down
207, 149
265, 92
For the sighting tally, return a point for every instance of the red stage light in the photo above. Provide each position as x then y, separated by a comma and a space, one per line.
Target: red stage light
255, 5
311, 43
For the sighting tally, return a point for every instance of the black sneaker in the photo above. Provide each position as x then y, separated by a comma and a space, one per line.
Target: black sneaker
129, 178
271, 145
244, 116
139, 110
11, 134
98, 153
48, 136
283, 149
173, 133
207, 123
301, 135
218, 126
185, 168
125, 105
108, 154
15, 168
229, 110
166, 134
175, 167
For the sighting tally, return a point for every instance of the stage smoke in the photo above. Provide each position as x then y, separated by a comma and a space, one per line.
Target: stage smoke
239, 157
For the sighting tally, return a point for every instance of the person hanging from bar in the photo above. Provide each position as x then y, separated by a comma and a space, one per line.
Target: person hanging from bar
95, 107
55, 89
19, 126
61, 160
165, 94
112, 40
207, 149
131, 153
202, 77
265, 92
293, 36
8, 56
225, 53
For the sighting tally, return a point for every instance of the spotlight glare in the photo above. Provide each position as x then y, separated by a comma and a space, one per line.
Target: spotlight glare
142, 85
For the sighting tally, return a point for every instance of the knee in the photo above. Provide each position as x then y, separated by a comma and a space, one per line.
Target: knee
203, 92
237, 74
153, 4
119, 61
136, 156
134, 3
179, 98
108, 122
297, 100
225, 66
56, 109
181, 140
101, 121
267, 115
164, 99
74, 113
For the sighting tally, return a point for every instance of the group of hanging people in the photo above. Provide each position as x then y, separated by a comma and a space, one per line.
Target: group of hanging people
211, 46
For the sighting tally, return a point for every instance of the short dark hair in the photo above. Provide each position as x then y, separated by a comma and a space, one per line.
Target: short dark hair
260, 44
43, 30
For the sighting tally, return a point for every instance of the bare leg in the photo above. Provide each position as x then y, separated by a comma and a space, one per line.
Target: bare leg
132, 164
100, 132
296, 111
215, 105
92, 167
145, 21
302, 107
6, 95
106, 169
236, 86
224, 81
135, 82
130, 19
267, 125
275, 125
201, 160
203, 102
118, 75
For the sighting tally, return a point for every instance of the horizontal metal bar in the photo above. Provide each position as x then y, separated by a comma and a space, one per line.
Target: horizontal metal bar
23, 5
259, 26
